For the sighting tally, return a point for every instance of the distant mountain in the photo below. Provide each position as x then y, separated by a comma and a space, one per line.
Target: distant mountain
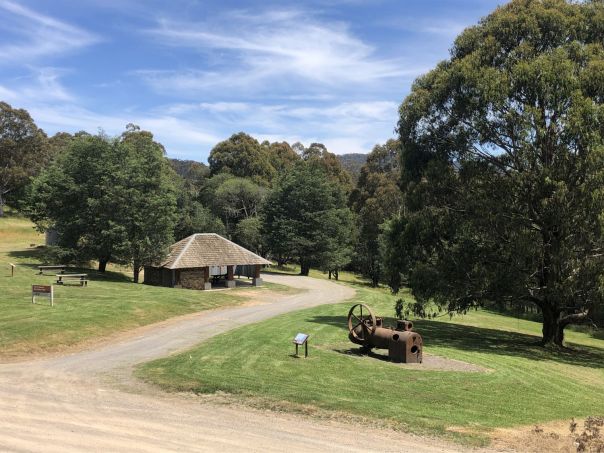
352, 163
190, 169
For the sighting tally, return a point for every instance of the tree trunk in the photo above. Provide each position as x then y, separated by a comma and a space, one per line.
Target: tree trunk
375, 281
336, 274
137, 270
553, 329
1, 205
304, 268
329, 275
103, 265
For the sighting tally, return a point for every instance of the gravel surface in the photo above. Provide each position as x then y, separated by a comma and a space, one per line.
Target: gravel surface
87, 401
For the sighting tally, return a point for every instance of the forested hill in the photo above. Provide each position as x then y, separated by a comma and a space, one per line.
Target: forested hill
352, 163
188, 168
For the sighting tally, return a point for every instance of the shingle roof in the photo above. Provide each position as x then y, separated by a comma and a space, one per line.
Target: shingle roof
208, 249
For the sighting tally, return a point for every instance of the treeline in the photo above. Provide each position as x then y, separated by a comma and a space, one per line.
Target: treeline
121, 200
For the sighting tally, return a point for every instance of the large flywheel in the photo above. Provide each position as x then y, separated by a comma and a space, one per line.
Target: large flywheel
361, 323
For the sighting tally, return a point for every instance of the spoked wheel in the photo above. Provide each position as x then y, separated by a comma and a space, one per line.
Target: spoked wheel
361, 322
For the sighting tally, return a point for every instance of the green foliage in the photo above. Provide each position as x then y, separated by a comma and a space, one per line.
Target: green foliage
248, 234
281, 155
503, 167
238, 199
109, 199
375, 199
242, 155
150, 196
399, 307
352, 163
23, 150
196, 218
306, 217
316, 154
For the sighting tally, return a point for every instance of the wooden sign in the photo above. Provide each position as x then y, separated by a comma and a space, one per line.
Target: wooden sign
42, 291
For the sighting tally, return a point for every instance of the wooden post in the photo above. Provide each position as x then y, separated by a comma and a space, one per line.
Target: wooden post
12, 269
257, 281
230, 281
206, 278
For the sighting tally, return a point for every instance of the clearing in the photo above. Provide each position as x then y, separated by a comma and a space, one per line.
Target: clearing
522, 383
110, 305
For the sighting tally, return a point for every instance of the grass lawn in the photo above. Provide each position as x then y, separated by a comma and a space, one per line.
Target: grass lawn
110, 304
526, 384
294, 269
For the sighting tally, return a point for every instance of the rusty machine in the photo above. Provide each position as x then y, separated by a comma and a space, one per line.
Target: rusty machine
367, 330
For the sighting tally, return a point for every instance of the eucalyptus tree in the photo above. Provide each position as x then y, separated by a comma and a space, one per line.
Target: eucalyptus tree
503, 167
23, 150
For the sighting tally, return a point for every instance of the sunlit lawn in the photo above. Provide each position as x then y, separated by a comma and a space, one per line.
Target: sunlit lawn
110, 303
525, 383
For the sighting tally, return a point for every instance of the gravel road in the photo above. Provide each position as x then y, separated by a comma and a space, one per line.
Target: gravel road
85, 401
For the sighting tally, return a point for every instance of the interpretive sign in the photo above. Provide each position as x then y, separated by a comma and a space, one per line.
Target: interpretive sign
301, 339
42, 291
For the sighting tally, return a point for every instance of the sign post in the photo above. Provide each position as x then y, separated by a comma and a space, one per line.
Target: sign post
42, 291
301, 339
12, 269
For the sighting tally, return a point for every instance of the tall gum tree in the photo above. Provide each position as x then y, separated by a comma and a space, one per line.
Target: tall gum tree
23, 150
503, 166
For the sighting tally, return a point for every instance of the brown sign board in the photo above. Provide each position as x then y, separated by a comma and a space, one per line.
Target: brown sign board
42, 291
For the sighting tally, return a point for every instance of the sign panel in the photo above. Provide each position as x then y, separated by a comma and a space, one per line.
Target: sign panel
301, 338
42, 291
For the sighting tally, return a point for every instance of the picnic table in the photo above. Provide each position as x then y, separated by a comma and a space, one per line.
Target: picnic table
82, 279
60, 267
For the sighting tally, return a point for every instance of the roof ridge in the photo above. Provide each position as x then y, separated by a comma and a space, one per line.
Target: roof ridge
184, 249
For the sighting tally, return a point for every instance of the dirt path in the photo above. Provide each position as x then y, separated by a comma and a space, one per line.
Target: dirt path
67, 404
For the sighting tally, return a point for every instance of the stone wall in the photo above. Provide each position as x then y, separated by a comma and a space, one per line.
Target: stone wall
158, 276
192, 278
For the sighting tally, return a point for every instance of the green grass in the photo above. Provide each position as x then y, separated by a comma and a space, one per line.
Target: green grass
294, 269
525, 384
110, 304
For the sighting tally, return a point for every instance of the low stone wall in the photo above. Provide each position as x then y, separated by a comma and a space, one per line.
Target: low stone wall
192, 278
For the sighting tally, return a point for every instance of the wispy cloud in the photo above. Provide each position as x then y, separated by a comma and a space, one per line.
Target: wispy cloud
343, 127
184, 137
273, 49
29, 35
41, 85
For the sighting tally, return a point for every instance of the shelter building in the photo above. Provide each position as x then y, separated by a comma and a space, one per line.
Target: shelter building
196, 261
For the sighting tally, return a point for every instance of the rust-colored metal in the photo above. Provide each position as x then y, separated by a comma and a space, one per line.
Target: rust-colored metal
367, 330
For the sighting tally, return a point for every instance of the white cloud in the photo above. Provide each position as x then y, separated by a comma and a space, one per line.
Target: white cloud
29, 35
179, 133
42, 85
269, 50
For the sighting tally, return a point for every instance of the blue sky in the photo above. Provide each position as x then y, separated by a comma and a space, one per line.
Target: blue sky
195, 72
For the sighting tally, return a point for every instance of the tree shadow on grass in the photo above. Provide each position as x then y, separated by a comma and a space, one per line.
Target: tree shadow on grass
490, 341
37, 254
